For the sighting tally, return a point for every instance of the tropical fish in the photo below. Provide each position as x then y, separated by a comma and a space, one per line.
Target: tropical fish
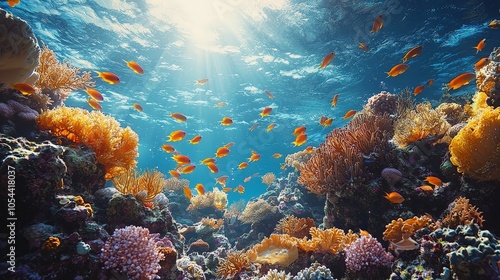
364, 47
276, 155
299, 130
364, 233
195, 140
328, 122
174, 173
94, 104
25, 89
425, 188
300, 140
253, 127
188, 169
269, 94
222, 152
187, 192
178, 117
108, 77
254, 157
326, 60
394, 197
175, 136
201, 82
134, 66
430, 82
12, 3
412, 53
200, 189
226, 189
247, 179
229, 145
480, 45
207, 160
335, 100
349, 114
212, 167
461, 80
397, 70
220, 104
239, 189
377, 24
418, 89
270, 127
494, 24
181, 159
322, 120
167, 148
481, 63
434, 180
137, 106
226, 121
265, 112
221, 180
94, 94
243, 165
309, 149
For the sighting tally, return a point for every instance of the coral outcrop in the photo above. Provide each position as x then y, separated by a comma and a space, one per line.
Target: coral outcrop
461, 212
382, 103
488, 79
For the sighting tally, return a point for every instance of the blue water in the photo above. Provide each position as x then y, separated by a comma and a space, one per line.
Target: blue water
245, 49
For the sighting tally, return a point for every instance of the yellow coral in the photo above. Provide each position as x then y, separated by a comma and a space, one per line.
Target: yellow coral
144, 187
401, 229
268, 178
278, 249
115, 147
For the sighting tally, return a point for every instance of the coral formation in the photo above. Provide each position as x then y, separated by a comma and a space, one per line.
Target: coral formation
453, 113
391, 175
298, 158
175, 184
332, 240
488, 79
215, 199
235, 263
278, 249
401, 229
115, 147
213, 223
257, 211
199, 246
296, 227
51, 243
268, 178
381, 103
366, 253
144, 187
315, 271
461, 212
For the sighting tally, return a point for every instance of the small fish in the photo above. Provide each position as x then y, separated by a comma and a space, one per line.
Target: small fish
174, 173
494, 24
226, 189
253, 127
221, 180
187, 192
239, 189
461, 80
397, 70
201, 82
207, 160
269, 94
25, 89
326, 60
168, 148
247, 179
137, 106
243, 165
135, 67
328, 122
181, 159
229, 145
265, 112
276, 155
270, 127
226, 121
364, 233
94, 104
349, 114
364, 47
178, 117
254, 157
108, 77
322, 120
94, 94
222, 152
309, 149
434, 180
200, 189
188, 169
418, 89
300, 140
414, 52
299, 130
425, 188
377, 24
12, 3
195, 140
430, 82
394, 197
480, 45
481, 63
335, 100
220, 104
212, 167
175, 136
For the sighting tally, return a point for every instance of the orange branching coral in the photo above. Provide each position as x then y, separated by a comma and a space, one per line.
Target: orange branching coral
278, 249
51, 243
339, 160
144, 187
235, 263
268, 178
215, 199
293, 226
401, 229
115, 147
213, 223
462, 213
257, 211
333, 240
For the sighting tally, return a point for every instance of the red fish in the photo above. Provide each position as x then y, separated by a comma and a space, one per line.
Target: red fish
265, 112
481, 63
377, 24
300, 140
94, 104
181, 159
243, 165
222, 152
200, 189
418, 89
269, 94
270, 127
212, 167
188, 169
299, 130
226, 121
137, 106
335, 100
187, 192
177, 135
167, 148
430, 82
494, 24
195, 140
12, 3
326, 60
480, 45
349, 114
178, 117
364, 47
254, 157
394, 197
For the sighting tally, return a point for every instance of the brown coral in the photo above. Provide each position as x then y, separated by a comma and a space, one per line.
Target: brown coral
293, 226
174, 184
235, 263
144, 187
257, 211
268, 178
278, 249
401, 229
462, 213
199, 246
115, 147
51, 243
453, 113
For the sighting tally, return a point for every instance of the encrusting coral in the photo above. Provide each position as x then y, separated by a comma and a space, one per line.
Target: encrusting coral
144, 188
116, 148
462, 213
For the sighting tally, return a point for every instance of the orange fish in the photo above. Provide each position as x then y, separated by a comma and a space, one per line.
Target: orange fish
177, 135
397, 70
299, 130
425, 188
181, 159
201, 82
418, 89
270, 127
322, 120
434, 180
108, 77
94, 94
349, 114
309, 149
269, 94
221, 180
225, 189
178, 117
12, 3
326, 60
481, 63
377, 24
188, 169
167, 148
137, 106
364, 47
480, 45
276, 155
221, 104
335, 100
174, 173
222, 152
300, 140
134, 66
229, 145
243, 165
253, 127
494, 24
247, 179
265, 112
461, 80
254, 157
200, 189
414, 52
187, 192
212, 167
394, 197
25, 89
226, 121
328, 122
239, 189
94, 104
207, 160
195, 140
430, 82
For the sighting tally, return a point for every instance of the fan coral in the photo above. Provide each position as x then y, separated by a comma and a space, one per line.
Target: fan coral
133, 252
401, 229
278, 249
268, 178
366, 253
257, 211
488, 79
381, 103
144, 188
115, 147
235, 263
339, 160
19, 51
461, 212
293, 226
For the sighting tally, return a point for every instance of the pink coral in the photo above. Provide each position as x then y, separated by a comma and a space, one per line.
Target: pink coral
366, 253
381, 103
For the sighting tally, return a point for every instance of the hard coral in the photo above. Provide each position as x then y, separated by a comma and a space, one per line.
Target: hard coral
381, 103
235, 263
296, 227
215, 199
366, 253
462, 213
51, 243
401, 229
115, 147
488, 79
333, 240
257, 211
144, 188
278, 249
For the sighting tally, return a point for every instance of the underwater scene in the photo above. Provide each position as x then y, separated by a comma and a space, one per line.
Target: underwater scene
260, 139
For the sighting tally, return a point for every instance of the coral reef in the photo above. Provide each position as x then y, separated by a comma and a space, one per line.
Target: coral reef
401, 229
461, 212
366, 258
278, 249
381, 103
144, 188
391, 175
236, 262
257, 211
488, 79
296, 227
268, 178
315, 271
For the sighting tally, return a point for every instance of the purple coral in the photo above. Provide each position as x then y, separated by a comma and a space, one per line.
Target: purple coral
381, 103
366, 253
391, 175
